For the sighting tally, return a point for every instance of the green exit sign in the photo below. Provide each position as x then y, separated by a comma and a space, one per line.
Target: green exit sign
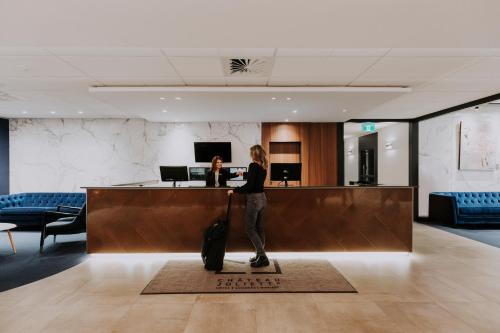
368, 127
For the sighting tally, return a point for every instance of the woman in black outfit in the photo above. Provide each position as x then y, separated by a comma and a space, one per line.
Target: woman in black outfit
256, 203
217, 176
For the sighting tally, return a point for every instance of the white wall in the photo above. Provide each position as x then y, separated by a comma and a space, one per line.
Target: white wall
438, 156
351, 162
65, 154
393, 164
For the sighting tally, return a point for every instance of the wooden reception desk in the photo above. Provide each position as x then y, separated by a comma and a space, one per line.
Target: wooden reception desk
160, 219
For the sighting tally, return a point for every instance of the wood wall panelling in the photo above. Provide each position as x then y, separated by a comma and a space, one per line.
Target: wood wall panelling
318, 149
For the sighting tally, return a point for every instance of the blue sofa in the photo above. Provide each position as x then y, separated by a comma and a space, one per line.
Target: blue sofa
27, 209
457, 208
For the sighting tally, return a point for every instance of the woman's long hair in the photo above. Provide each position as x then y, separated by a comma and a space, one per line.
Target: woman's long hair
214, 162
259, 154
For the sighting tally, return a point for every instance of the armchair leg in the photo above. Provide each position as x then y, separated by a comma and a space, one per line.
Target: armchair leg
42, 238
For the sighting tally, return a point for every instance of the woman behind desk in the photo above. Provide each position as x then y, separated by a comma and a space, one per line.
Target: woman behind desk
217, 176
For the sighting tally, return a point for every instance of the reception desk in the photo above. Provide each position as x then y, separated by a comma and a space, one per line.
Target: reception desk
161, 219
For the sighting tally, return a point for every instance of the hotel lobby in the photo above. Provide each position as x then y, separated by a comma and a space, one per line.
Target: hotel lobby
238, 166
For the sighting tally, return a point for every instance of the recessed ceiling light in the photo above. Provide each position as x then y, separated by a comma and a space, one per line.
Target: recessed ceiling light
24, 112
288, 98
80, 112
273, 98
52, 112
178, 98
344, 110
294, 111
164, 111
163, 98
286, 119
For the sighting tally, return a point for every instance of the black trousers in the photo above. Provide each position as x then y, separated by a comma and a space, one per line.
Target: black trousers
254, 220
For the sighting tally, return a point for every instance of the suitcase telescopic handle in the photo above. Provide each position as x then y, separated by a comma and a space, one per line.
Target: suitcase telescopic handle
228, 212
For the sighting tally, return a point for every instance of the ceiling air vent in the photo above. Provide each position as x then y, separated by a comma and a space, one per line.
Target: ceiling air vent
4, 97
247, 66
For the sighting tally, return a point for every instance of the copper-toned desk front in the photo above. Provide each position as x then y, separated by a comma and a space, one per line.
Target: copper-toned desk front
297, 219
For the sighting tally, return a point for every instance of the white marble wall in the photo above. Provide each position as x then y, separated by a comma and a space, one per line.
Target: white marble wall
393, 164
65, 154
438, 156
351, 162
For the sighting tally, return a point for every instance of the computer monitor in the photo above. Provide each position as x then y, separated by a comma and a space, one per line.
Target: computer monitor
198, 173
286, 171
233, 170
174, 173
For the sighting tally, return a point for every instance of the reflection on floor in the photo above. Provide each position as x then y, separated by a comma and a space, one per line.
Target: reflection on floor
449, 284
487, 236
28, 265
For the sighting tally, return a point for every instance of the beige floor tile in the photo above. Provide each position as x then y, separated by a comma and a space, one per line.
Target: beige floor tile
168, 317
481, 316
449, 284
423, 317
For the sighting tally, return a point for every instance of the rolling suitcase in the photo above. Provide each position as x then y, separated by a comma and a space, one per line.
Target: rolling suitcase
214, 242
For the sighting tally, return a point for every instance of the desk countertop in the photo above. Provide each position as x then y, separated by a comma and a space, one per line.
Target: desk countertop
149, 187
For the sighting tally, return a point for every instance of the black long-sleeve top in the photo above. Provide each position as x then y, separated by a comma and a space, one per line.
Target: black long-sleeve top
255, 180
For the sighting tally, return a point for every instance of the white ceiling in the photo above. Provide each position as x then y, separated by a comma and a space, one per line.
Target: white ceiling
52, 51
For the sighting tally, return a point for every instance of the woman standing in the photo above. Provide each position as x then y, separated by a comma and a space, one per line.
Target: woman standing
256, 203
217, 176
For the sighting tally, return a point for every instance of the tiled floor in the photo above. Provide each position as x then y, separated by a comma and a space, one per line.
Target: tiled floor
448, 284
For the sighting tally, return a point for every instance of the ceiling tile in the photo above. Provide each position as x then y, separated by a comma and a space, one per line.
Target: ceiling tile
255, 52
23, 51
141, 81
35, 66
191, 52
197, 66
122, 66
373, 52
338, 69
288, 81
298, 66
328, 82
412, 68
461, 85
106, 51
482, 68
346, 67
205, 81
443, 52
303, 52
246, 81
63, 84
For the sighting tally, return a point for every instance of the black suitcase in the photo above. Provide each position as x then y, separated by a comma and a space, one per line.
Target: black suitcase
214, 242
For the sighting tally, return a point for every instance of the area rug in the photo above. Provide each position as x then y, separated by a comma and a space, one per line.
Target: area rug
283, 276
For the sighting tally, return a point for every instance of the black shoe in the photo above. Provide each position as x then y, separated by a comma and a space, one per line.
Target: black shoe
253, 259
261, 261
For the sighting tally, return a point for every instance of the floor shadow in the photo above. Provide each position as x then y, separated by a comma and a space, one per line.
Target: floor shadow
28, 265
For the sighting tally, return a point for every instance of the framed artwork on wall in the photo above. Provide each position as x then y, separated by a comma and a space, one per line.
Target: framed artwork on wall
477, 146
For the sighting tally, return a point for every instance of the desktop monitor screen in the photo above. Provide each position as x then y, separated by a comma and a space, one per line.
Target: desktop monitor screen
198, 173
205, 151
174, 173
234, 170
281, 170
